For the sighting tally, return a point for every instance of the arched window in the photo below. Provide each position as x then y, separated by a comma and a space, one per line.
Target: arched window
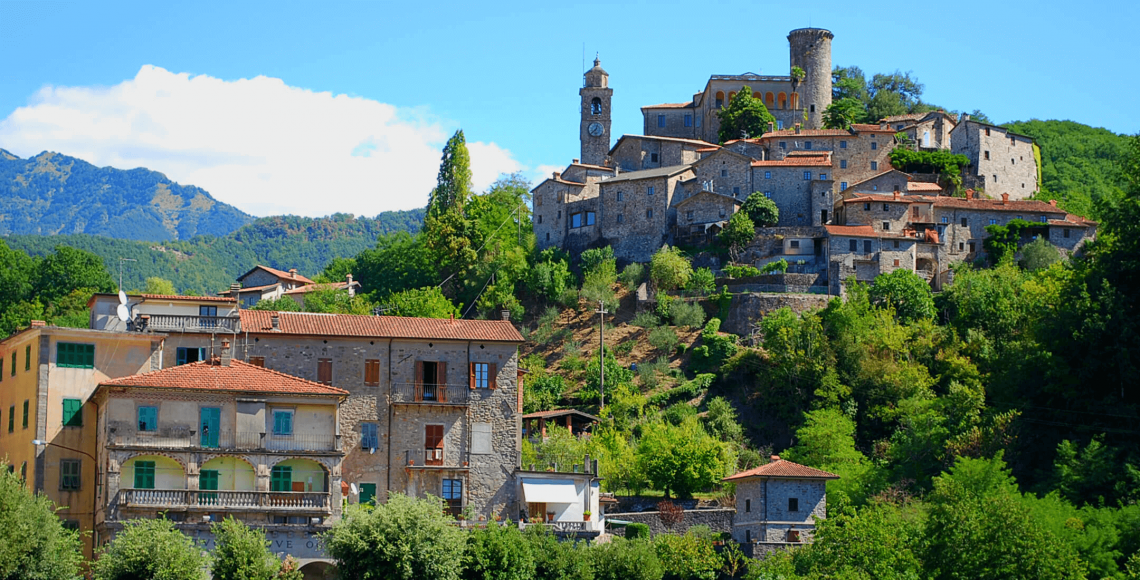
795, 100
770, 100
782, 101
926, 138
730, 95
596, 106
719, 99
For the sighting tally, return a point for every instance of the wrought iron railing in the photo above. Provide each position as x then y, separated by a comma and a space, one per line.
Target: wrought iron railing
431, 458
560, 527
246, 440
430, 393
187, 323
222, 499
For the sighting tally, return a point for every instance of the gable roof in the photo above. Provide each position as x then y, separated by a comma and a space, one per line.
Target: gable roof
782, 469
998, 127
560, 413
278, 273
322, 286
238, 377
716, 151
667, 171
694, 142
353, 325
670, 106
796, 161
960, 202
164, 297
703, 193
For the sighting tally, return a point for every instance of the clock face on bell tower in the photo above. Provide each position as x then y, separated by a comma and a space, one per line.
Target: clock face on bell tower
595, 125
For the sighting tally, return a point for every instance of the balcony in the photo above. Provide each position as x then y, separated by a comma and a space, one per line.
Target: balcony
560, 527
433, 459
181, 323
226, 440
288, 501
430, 394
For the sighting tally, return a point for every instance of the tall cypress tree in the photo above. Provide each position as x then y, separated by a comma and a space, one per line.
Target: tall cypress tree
453, 186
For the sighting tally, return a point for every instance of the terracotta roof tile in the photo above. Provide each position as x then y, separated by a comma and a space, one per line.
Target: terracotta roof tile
782, 468
922, 186
870, 128
806, 133
237, 377
188, 298
670, 106
961, 202
322, 286
279, 273
559, 413
815, 161
313, 324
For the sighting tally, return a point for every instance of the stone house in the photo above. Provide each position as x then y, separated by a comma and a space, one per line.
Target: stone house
575, 187
162, 313
788, 101
47, 428
639, 152
777, 504
928, 131
857, 154
202, 441
349, 286
700, 217
265, 283
723, 171
638, 210
1001, 162
891, 181
800, 185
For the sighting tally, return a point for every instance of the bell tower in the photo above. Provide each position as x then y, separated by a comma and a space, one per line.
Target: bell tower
595, 129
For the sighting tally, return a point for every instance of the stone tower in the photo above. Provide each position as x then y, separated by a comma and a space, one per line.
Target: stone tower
811, 50
595, 129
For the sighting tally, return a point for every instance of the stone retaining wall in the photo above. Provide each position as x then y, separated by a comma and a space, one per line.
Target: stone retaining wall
718, 520
747, 309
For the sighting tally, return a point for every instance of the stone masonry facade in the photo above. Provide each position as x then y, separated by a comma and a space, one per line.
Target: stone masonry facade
763, 508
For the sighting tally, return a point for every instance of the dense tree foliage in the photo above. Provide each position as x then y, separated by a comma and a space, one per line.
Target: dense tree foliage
744, 117
34, 545
152, 549
761, 210
242, 553
54, 288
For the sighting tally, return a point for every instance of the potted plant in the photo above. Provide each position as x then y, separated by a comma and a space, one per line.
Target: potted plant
550, 516
586, 515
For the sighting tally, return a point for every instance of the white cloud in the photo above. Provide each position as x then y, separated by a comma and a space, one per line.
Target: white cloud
259, 144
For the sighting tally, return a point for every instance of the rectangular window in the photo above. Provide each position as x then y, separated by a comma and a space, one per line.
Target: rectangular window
896, 263
369, 436
945, 219
589, 218
874, 166
747, 505
25, 420
281, 478
144, 475
823, 177
575, 220
69, 474
452, 492
207, 311
148, 418
282, 421
964, 222
650, 190
783, 144
372, 372
736, 191
794, 244
185, 355
807, 176
11, 420
874, 145
896, 244
72, 413
866, 207
324, 371
793, 504
649, 213
780, 127
993, 222
619, 196
660, 120
842, 144
853, 245
75, 356
767, 175
842, 186
986, 155
914, 211
724, 173
886, 207
480, 375
28, 357
13, 363
768, 194
1066, 230
257, 361
866, 246
688, 120
539, 218
698, 120
886, 226
433, 444
1044, 219
807, 144
620, 218
653, 157
843, 164
689, 215
210, 419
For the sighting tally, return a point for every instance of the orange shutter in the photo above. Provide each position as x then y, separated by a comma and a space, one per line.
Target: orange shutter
471, 375
492, 374
324, 371
441, 373
372, 372
419, 386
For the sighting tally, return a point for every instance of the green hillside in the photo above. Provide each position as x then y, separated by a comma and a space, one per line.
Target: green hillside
56, 194
206, 264
1079, 164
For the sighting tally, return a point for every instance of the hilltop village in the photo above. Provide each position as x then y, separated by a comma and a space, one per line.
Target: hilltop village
844, 210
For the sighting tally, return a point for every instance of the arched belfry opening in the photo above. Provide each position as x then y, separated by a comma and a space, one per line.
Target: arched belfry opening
596, 106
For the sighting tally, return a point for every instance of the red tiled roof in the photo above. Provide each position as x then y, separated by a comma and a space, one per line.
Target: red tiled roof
212, 376
250, 289
870, 128
167, 297
323, 286
906, 117
313, 324
1073, 221
816, 161
960, 202
807, 133
922, 186
782, 468
558, 413
669, 106
587, 165
279, 274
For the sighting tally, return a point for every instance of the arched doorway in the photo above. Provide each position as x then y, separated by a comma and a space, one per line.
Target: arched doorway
319, 571
153, 472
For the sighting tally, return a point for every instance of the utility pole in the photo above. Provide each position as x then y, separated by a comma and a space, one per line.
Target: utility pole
602, 354
121, 260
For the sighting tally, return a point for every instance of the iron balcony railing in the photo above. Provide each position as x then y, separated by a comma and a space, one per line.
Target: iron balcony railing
432, 458
226, 499
240, 440
187, 323
431, 394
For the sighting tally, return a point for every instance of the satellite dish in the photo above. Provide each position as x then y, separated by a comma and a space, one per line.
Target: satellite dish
122, 297
123, 312
353, 487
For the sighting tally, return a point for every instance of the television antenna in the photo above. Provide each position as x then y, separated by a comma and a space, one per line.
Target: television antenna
121, 260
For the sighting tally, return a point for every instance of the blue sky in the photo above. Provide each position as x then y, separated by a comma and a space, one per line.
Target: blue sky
357, 98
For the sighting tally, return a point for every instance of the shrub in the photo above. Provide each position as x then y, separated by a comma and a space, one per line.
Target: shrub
778, 267
242, 553
556, 560
599, 262
402, 539
645, 320
668, 269
624, 348
1039, 254
282, 304
543, 393
622, 559
149, 549
741, 271
690, 556
572, 348
498, 553
569, 298
599, 289
572, 363
905, 291
664, 305
702, 281
33, 541
663, 339
678, 412
632, 276
688, 314
648, 372
684, 391
637, 531
550, 274
761, 210
548, 316
715, 348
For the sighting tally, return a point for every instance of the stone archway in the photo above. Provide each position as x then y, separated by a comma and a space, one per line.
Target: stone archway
319, 570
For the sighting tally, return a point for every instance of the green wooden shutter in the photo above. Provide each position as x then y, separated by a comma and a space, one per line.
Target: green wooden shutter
180, 357
367, 492
144, 475
208, 481
148, 418
25, 425
281, 478
211, 423
72, 413
282, 422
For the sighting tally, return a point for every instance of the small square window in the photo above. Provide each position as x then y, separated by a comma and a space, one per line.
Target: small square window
148, 418
653, 157
842, 144
724, 173
807, 144
649, 191
282, 421
945, 220
896, 263
768, 194
689, 215
1044, 219
649, 213
866, 207
874, 145
896, 246
736, 191
620, 219
874, 166
965, 222
886, 207
590, 216
843, 164
886, 226
783, 144
807, 176
767, 175
842, 185
823, 177
993, 222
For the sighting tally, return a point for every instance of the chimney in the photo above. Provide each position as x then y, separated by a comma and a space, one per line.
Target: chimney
577, 161
897, 194
965, 117
276, 322
557, 174
227, 355
1005, 199
775, 458
771, 126
41, 323
292, 272
506, 314
351, 290
1052, 202
797, 128
969, 194
234, 289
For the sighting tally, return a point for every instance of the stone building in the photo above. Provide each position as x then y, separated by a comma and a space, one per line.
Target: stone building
893, 180
577, 186
637, 211
637, 152
789, 101
800, 186
857, 154
777, 504
878, 233
700, 217
928, 131
265, 283
207, 440
47, 428
1001, 162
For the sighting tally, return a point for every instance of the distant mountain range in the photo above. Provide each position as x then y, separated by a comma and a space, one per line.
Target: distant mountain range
52, 194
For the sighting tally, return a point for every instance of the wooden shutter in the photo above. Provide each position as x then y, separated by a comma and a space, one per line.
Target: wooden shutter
471, 376
419, 386
324, 371
441, 373
492, 372
433, 440
257, 361
372, 372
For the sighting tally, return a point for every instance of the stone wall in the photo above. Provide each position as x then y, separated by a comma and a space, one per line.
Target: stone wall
763, 508
855, 155
724, 172
747, 309
718, 520
1000, 162
790, 188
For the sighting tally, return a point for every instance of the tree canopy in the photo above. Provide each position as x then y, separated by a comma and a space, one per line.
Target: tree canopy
743, 117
